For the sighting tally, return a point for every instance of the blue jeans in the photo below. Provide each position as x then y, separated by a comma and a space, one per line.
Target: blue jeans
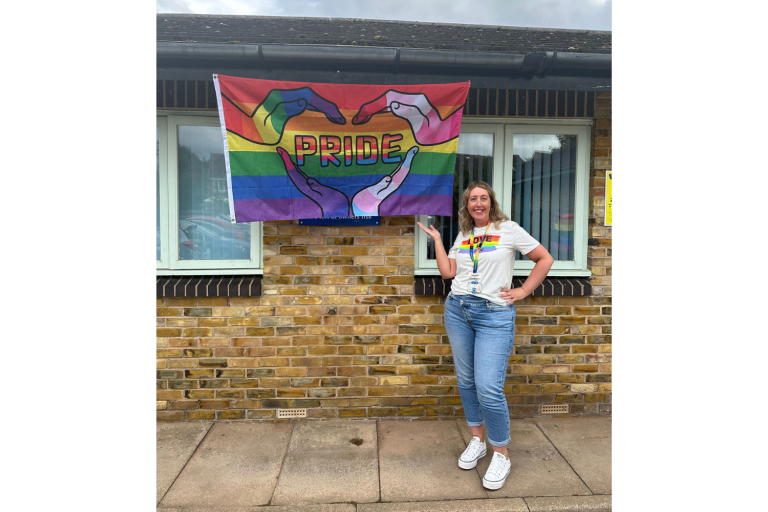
481, 334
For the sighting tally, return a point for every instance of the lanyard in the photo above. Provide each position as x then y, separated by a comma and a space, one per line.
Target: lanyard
476, 258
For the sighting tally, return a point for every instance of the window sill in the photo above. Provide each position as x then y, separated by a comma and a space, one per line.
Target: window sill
209, 286
552, 286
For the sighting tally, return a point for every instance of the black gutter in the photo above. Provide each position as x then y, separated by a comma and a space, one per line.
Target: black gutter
274, 54
351, 64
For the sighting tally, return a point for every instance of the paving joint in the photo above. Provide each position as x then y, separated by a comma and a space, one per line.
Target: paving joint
563, 456
210, 427
378, 461
282, 463
527, 506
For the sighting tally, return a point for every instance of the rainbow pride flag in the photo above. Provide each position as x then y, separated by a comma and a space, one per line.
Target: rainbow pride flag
299, 150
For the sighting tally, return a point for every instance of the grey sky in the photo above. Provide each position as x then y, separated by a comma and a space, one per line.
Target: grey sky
578, 14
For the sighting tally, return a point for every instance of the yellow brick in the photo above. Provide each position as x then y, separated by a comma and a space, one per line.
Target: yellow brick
170, 394
320, 290
524, 389
274, 383
585, 368
242, 301
370, 261
353, 251
556, 368
363, 381
350, 413
181, 301
169, 311
584, 388
212, 322
528, 329
392, 381
260, 311
212, 301
554, 388
426, 319
363, 402
243, 362
399, 260
290, 372
382, 329
273, 361
526, 368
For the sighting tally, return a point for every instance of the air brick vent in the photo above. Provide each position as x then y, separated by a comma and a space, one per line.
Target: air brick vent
554, 409
291, 413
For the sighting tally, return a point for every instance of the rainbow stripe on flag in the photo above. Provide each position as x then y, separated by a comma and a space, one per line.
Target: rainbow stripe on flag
299, 150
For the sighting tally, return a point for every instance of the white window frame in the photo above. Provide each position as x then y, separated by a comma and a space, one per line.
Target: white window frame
169, 263
426, 266
505, 130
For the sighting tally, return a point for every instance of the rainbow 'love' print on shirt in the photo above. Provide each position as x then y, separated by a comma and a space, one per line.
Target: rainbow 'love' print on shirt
490, 244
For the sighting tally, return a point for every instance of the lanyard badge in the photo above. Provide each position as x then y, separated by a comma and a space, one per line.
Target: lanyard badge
475, 285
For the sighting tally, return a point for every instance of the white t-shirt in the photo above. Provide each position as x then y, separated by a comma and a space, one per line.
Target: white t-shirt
496, 258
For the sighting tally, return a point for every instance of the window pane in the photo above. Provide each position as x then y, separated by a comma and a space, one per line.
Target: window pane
474, 161
205, 231
543, 189
158, 193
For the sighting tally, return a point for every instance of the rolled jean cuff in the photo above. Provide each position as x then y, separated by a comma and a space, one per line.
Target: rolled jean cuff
498, 445
475, 423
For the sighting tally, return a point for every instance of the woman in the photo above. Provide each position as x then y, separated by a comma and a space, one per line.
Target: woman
480, 317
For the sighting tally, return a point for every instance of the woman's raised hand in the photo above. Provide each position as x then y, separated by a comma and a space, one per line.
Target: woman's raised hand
432, 232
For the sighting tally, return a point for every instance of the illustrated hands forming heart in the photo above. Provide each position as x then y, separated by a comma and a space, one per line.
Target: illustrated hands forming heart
426, 124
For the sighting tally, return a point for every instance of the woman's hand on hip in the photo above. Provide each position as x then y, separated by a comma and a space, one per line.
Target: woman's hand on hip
512, 294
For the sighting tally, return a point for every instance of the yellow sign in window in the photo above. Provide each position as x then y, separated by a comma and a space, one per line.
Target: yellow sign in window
609, 198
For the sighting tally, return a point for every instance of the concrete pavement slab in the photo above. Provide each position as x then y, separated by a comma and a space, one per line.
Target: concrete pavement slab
570, 504
175, 444
337, 507
236, 465
586, 445
419, 462
537, 468
486, 505
330, 462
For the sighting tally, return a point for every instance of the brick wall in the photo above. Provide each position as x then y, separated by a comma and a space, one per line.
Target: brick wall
339, 331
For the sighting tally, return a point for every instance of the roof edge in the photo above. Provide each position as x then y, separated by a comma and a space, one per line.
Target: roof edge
368, 20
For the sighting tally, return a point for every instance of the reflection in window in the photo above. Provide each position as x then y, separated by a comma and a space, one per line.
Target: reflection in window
474, 162
543, 190
205, 230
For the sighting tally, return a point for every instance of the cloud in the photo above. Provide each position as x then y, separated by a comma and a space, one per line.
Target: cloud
172, 6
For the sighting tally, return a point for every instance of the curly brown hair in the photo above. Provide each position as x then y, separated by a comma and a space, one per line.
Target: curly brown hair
465, 219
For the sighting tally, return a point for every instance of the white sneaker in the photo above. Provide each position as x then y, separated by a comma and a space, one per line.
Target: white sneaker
497, 472
474, 451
